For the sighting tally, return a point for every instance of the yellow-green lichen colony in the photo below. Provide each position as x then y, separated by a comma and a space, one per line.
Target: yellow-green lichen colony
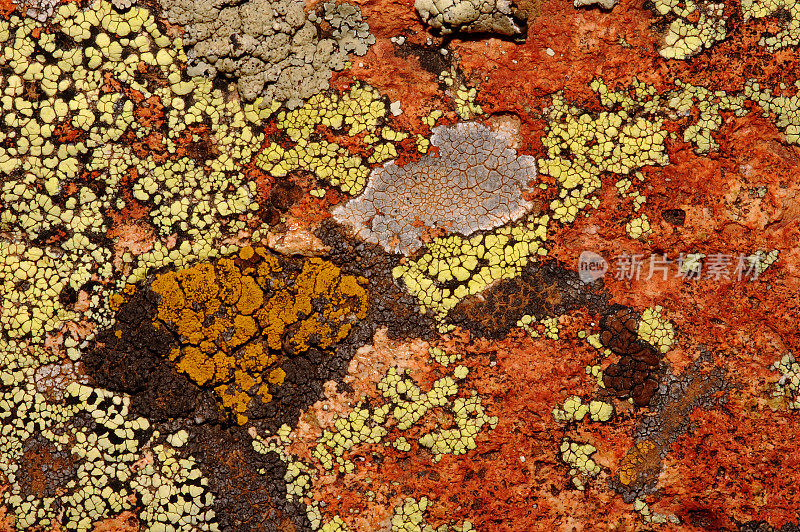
787, 387
695, 26
455, 267
359, 111
580, 146
101, 477
402, 406
66, 161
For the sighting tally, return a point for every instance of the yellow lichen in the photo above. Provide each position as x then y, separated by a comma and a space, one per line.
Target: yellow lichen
237, 321
358, 110
474, 262
640, 458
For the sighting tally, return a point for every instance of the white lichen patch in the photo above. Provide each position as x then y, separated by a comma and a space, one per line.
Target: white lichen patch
469, 16
474, 181
787, 386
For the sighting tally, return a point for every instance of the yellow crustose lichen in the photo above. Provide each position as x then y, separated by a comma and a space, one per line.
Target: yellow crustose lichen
235, 320
358, 111
470, 264
63, 160
686, 37
105, 480
580, 146
787, 10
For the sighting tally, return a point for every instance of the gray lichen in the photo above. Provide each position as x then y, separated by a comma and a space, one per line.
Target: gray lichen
40, 10
473, 182
271, 47
602, 4
470, 16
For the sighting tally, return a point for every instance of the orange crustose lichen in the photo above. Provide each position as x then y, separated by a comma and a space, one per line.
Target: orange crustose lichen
238, 317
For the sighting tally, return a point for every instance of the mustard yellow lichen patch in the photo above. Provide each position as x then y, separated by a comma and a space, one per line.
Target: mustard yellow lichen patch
237, 319
637, 460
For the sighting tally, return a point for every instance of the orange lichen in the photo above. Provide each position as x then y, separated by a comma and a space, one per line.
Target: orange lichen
641, 459
237, 319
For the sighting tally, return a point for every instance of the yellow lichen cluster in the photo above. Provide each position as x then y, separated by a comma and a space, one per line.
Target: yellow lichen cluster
549, 326
787, 387
406, 405
577, 456
359, 110
656, 330
574, 409
474, 263
106, 482
684, 101
709, 104
441, 357
580, 146
624, 190
64, 161
463, 96
696, 25
235, 316
638, 227
410, 517
786, 109
788, 11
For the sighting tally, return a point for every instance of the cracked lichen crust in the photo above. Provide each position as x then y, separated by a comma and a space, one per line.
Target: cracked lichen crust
473, 182
272, 47
470, 16
694, 26
95, 449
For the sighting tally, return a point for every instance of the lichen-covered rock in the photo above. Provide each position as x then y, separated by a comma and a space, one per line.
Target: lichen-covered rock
272, 48
40, 10
471, 16
473, 182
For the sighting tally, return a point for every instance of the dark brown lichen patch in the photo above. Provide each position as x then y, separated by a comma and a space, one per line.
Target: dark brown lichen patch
130, 358
635, 375
44, 468
671, 408
249, 488
390, 305
542, 290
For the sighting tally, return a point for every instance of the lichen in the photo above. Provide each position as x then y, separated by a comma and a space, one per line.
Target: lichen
238, 318
788, 14
359, 110
98, 475
271, 47
580, 146
474, 182
455, 267
471, 16
694, 26
787, 387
